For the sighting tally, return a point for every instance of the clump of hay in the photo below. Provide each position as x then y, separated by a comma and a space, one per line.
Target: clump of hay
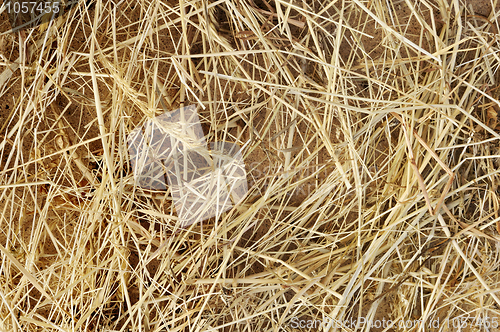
369, 135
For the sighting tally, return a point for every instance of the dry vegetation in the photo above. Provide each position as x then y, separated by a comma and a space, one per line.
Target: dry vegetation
370, 132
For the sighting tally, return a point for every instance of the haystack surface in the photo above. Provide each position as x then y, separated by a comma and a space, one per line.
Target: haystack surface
369, 131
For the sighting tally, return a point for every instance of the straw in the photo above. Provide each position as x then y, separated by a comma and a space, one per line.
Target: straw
369, 133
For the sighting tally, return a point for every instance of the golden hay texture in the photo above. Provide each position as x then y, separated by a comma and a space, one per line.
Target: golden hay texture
370, 135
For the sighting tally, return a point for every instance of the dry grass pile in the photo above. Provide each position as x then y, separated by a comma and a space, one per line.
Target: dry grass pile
369, 130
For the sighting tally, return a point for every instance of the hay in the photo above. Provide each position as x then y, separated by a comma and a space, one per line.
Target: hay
369, 131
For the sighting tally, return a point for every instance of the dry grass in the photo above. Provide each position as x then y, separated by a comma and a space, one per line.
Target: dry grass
370, 137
